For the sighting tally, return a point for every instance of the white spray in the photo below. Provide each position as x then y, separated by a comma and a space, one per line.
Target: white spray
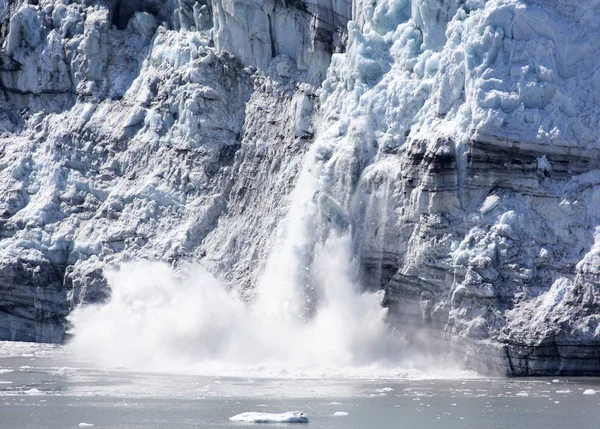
307, 317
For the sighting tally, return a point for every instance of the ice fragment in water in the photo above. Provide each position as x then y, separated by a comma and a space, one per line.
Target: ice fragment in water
254, 417
385, 389
86, 425
589, 392
340, 414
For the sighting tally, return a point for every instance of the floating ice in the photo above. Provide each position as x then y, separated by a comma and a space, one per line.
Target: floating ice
589, 392
522, 394
255, 417
340, 414
86, 425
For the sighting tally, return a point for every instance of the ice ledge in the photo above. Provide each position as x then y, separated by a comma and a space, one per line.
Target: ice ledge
308, 31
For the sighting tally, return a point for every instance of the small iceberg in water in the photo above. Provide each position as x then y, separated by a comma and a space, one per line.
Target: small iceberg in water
254, 417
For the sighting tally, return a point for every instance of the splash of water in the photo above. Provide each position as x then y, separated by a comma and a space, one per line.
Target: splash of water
308, 316
161, 320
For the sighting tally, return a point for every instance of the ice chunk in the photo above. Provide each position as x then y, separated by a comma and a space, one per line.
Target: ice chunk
543, 165
589, 392
489, 204
255, 417
331, 210
340, 414
385, 389
522, 394
86, 425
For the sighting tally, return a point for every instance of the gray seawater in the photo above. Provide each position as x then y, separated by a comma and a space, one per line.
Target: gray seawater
39, 389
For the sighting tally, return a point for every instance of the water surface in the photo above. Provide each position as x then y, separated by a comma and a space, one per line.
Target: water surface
40, 388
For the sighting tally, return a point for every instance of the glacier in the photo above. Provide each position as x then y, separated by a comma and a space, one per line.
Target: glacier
451, 144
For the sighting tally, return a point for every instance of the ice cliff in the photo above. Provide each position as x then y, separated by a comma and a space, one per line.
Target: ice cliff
458, 144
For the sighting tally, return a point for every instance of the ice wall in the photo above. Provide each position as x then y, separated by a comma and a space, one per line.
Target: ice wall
459, 140
307, 31
114, 144
465, 137
126, 134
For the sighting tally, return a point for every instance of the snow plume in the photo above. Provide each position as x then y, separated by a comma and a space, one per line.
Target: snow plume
161, 320
307, 318
308, 315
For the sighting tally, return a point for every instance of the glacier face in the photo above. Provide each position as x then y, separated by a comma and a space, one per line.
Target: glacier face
457, 143
470, 127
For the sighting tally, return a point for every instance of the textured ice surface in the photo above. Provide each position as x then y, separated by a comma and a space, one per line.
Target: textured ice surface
456, 144
473, 184
254, 417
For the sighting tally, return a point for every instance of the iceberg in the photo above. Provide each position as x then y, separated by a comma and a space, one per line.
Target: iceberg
255, 417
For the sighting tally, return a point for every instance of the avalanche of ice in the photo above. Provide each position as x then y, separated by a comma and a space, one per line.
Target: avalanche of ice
146, 142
